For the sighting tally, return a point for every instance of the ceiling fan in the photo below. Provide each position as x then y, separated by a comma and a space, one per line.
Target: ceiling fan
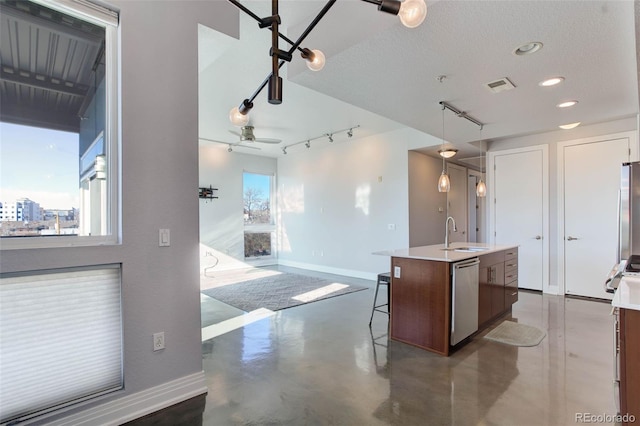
248, 136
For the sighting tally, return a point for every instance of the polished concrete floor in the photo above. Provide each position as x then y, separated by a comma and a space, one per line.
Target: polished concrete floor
321, 364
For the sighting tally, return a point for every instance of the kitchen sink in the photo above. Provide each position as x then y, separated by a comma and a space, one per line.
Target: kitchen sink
466, 249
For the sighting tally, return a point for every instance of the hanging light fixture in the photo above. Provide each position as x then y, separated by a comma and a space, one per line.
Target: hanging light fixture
481, 188
444, 184
411, 13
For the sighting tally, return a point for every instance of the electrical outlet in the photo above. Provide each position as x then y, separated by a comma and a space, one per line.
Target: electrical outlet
158, 341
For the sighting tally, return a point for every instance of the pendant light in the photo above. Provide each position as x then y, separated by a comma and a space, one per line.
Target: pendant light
481, 188
443, 183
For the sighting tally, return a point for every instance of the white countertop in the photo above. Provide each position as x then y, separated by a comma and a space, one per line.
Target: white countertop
436, 252
628, 294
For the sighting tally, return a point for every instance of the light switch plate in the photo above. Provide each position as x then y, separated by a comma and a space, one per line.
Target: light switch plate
396, 272
164, 238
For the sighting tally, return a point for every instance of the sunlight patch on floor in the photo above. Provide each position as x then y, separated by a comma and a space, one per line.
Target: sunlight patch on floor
234, 323
319, 292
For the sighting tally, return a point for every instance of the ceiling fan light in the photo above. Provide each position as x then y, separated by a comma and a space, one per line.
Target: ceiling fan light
412, 13
443, 183
315, 60
237, 118
481, 189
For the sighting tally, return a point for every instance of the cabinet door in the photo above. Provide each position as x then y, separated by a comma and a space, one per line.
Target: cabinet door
484, 295
497, 289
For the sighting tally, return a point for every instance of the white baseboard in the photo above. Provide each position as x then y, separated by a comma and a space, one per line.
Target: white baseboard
131, 407
329, 270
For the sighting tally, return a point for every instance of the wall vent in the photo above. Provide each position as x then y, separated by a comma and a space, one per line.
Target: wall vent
500, 85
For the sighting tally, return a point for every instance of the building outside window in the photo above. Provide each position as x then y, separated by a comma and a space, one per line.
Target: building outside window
58, 127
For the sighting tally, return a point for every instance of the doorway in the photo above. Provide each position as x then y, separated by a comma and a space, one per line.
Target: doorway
588, 185
519, 210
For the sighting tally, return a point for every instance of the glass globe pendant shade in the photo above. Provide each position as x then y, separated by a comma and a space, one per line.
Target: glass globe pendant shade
237, 118
317, 61
481, 189
412, 13
443, 182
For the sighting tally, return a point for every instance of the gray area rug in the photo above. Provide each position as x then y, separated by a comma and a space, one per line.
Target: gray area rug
253, 288
515, 334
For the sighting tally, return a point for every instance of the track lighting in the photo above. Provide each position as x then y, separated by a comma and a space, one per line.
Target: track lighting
329, 135
229, 149
411, 13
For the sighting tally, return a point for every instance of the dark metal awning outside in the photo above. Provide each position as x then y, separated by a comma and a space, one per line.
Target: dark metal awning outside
49, 66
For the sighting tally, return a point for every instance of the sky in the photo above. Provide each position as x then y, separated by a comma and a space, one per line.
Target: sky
39, 164
253, 180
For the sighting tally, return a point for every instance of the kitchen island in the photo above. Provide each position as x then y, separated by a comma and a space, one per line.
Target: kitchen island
423, 293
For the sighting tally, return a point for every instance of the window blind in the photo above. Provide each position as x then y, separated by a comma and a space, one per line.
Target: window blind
60, 338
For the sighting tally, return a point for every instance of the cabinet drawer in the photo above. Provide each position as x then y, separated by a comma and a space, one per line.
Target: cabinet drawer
510, 294
510, 277
511, 254
511, 265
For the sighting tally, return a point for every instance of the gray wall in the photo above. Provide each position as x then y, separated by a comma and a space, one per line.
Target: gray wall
426, 222
160, 286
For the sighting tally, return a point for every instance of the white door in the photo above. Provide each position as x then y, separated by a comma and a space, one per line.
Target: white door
520, 210
457, 201
591, 184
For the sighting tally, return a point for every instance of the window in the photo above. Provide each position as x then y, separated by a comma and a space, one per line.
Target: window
259, 226
58, 127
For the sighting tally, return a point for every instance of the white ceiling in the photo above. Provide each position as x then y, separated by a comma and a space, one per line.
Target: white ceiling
383, 76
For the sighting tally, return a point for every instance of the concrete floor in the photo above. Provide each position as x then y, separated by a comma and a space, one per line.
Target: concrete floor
321, 364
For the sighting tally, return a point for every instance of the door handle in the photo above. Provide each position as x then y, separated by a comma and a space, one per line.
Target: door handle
538, 237
572, 238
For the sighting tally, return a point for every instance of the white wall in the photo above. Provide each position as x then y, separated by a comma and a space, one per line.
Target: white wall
221, 220
160, 286
336, 202
552, 138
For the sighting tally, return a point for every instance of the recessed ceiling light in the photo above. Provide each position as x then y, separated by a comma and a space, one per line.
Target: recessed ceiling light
528, 48
566, 104
551, 81
570, 126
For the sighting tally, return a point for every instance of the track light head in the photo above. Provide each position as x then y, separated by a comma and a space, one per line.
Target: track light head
284, 150
229, 149
330, 136
307, 144
350, 133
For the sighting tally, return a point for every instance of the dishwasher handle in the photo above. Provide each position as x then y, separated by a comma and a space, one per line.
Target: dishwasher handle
467, 263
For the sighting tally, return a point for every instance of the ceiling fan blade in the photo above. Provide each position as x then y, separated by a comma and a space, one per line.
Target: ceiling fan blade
268, 140
233, 132
213, 140
246, 146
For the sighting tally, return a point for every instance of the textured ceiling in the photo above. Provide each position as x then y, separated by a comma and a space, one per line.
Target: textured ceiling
382, 75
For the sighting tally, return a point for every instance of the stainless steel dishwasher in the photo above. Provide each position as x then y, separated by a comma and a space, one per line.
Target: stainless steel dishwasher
464, 299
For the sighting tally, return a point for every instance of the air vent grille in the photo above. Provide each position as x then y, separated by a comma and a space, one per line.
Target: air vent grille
500, 85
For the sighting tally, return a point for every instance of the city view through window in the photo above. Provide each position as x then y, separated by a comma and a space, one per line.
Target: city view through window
39, 181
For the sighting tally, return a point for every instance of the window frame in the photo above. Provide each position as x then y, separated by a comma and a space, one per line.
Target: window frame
98, 14
262, 228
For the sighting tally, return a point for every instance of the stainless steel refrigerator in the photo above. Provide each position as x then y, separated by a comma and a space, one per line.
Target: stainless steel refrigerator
628, 256
629, 212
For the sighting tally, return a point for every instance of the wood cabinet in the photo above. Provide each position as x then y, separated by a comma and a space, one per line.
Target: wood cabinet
629, 374
498, 286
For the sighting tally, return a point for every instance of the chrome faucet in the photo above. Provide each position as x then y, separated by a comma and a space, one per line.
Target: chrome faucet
446, 230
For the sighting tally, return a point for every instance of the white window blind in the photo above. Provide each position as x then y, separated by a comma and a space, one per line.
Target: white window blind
60, 338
